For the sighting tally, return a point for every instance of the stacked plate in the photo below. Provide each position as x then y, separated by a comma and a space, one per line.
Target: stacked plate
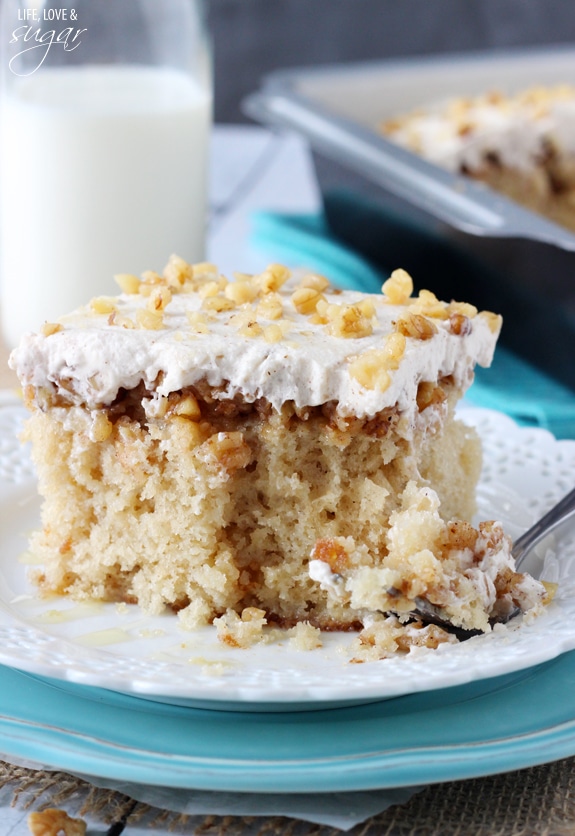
107, 691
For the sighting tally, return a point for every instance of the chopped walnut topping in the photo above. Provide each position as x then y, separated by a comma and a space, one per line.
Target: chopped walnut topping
272, 278
305, 299
315, 281
127, 282
120, 321
394, 349
398, 288
151, 320
151, 277
270, 307
218, 304
242, 318
371, 369
286, 325
50, 328
150, 280
273, 334
159, 298
198, 322
459, 324
205, 270
428, 304
178, 272
241, 292
429, 394
493, 320
367, 308
145, 288
247, 324
212, 288
103, 304
416, 326
464, 308
54, 822
251, 329
347, 321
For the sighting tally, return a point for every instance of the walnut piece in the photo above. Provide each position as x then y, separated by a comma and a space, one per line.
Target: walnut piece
347, 321
398, 288
372, 368
416, 326
128, 282
50, 328
103, 304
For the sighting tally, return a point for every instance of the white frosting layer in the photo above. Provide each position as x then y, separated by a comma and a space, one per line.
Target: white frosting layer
89, 360
518, 130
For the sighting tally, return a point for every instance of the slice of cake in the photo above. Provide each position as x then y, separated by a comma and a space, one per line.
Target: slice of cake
267, 449
521, 145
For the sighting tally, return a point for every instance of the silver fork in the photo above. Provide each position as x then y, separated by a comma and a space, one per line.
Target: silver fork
560, 512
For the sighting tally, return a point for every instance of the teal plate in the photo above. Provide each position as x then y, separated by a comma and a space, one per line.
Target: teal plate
495, 725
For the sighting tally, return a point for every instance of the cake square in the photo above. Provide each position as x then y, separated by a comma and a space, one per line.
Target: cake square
522, 144
267, 450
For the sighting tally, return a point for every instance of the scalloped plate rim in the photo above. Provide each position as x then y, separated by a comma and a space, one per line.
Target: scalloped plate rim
210, 690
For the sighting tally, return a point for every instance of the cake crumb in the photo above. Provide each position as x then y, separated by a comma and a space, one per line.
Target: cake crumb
241, 631
55, 822
387, 637
209, 667
304, 636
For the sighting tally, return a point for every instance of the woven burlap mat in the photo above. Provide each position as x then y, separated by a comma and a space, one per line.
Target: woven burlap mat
539, 801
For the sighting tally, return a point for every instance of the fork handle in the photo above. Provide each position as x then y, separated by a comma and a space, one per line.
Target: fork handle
548, 523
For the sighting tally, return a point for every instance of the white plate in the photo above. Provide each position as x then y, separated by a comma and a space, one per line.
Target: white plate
119, 648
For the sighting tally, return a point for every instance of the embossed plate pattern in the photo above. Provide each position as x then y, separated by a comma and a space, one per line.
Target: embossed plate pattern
121, 649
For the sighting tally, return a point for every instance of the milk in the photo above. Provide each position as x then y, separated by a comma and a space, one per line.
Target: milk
103, 170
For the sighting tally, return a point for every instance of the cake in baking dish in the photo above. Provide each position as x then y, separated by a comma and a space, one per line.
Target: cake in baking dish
267, 449
522, 145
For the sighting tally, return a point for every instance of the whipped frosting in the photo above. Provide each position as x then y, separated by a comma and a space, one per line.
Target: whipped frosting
88, 360
519, 129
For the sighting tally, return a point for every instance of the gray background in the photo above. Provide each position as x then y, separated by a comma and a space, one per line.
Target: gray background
254, 37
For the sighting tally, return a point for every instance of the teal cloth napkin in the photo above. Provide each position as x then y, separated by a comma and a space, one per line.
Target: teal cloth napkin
511, 385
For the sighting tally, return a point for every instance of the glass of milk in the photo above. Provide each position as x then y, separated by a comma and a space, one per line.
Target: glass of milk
105, 116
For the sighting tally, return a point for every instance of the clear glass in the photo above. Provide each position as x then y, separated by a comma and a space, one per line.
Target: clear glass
105, 115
